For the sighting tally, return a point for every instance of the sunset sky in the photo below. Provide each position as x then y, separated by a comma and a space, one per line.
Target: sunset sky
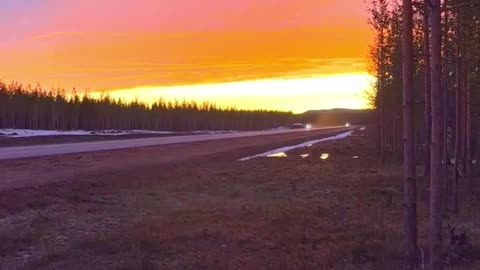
274, 54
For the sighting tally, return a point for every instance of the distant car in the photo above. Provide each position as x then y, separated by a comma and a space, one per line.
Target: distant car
296, 126
300, 126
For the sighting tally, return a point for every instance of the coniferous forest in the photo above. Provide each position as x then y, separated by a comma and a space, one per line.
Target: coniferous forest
34, 108
426, 58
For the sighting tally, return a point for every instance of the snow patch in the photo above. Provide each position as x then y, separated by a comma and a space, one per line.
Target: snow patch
21, 133
139, 131
305, 144
213, 131
17, 133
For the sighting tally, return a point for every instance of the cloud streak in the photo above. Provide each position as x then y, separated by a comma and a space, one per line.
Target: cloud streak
187, 59
58, 35
118, 44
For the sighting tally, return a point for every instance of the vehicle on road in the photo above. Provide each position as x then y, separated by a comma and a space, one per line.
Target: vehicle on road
300, 126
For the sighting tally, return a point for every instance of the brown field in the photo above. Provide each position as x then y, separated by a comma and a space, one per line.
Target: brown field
209, 211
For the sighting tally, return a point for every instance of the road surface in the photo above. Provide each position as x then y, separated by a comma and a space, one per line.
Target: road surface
71, 148
162, 154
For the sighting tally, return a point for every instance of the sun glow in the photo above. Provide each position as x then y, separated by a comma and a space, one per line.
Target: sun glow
296, 94
270, 54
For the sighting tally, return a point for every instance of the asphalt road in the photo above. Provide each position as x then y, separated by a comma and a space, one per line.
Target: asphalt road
70, 148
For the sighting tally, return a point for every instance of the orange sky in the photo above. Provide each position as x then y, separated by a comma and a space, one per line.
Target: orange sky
193, 49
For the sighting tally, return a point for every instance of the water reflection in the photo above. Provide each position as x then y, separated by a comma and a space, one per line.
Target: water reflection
325, 156
278, 155
305, 155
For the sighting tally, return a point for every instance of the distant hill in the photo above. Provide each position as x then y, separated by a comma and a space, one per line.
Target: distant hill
337, 116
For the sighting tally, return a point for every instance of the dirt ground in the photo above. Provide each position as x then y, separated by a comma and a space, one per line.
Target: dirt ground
74, 167
37, 140
214, 212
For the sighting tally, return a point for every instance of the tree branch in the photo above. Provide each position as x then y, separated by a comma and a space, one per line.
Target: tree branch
460, 6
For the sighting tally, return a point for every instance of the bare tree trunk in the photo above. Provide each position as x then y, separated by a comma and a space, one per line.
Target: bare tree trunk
410, 196
427, 110
446, 144
379, 94
464, 114
382, 97
468, 130
467, 162
458, 117
436, 149
395, 134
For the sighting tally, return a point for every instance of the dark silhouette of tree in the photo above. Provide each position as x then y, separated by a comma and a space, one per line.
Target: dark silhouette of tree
27, 108
451, 115
379, 21
436, 148
410, 189
428, 106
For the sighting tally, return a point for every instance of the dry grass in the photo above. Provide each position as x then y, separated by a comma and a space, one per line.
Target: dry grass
217, 213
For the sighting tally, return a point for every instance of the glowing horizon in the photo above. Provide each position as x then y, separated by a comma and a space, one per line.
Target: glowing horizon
269, 94
215, 50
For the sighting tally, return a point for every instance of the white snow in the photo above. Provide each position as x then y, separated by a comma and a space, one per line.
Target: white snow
139, 131
213, 131
19, 133
305, 144
362, 128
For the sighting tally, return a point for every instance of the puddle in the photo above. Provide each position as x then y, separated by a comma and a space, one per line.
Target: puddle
278, 155
355, 157
305, 155
274, 152
325, 156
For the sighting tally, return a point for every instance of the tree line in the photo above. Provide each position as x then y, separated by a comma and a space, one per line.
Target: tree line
426, 58
35, 108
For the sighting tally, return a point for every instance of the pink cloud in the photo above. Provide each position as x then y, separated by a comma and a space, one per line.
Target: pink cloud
166, 16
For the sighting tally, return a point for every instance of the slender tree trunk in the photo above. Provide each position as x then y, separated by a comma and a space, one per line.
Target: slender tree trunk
464, 115
436, 148
468, 129
446, 144
382, 97
379, 116
427, 81
410, 196
458, 117
466, 118
396, 133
